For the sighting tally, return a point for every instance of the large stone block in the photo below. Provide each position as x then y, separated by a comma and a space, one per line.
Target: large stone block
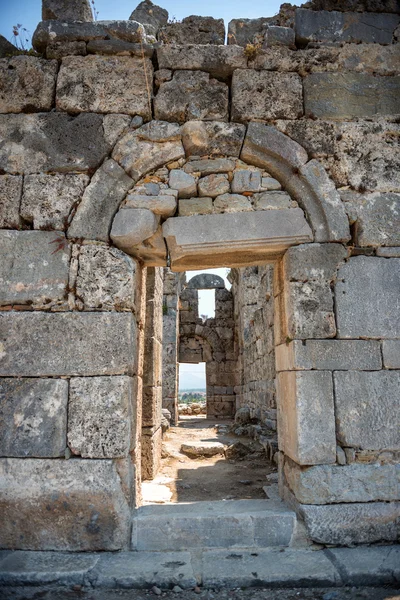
100, 202
335, 26
242, 32
132, 226
306, 420
101, 416
219, 61
331, 484
106, 278
88, 84
65, 10
152, 404
201, 138
391, 354
367, 409
350, 95
27, 84
52, 142
313, 262
33, 344
10, 198
150, 15
73, 505
33, 267
48, 200
367, 293
309, 310
194, 30
151, 452
257, 95
33, 417
192, 95
329, 355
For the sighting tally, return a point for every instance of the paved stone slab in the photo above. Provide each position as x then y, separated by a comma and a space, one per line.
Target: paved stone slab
73, 505
33, 268
331, 355
367, 566
213, 138
367, 293
33, 344
367, 409
65, 10
27, 84
391, 354
243, 568
219, 61
10, 198
33, 417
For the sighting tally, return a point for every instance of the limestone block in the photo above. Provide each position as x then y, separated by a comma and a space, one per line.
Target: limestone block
192, 95
106, 278
149, 147
318, 138
377, 217
48, 200
72, 505
88, 84
151, 452
231, 203
52, 142
183, 182
115, 47
213, 185
115, 125
206, 281
194, 30
33, 417
152, 252
6, 48
27, 84
272, 200
246, 181
100, 416
150, 15
131, 226
247, 31
313, 262
390, 252
10, 198
152, 403
33, 343
65, 10
367, 293
327, 484
335, 26
350, 95
219, 61
152, 375
33, 269
309, 310
257, 95
201, 138
330, 355
100, 202
391, 354
369, 58
58, 50
269, 184
234, 239
208, 166
162, 205
306, 420
367, 409
374, 6
279, 36
220, 409
195, 206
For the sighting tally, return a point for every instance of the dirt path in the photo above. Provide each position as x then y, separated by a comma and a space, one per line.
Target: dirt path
186, 479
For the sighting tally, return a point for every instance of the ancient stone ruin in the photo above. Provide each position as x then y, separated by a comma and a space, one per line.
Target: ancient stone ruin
133, 152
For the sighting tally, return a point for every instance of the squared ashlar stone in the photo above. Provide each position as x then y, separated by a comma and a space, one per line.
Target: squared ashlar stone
391, 354
33, 417
151, 406
101, 416
33, 267
246, 180
10, 199
306, 420
27, 84
195, 206
309, 310
151, 451
313, 262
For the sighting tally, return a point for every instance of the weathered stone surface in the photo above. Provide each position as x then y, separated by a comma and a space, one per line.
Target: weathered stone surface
68, 505
58, 50
88, 84
231, 203
47, 200
246, 181
242, 32
318, 138
335, 26
206, 281
270, 184
6, 48
196, 449
163, 205
257, 95
65, 10
200, 138
378, 6
32, 267
368, 564
330, 355
209, 166
27, 84
390, 252
152, 252
219, 61
149, 147
377, 217
183, 182
116, 47
327, 484
391, 354
152, 403
194, 30
279, 36
131, 226
33, 417
367, 292
150, 15
350, 95
213, 185
367, 409
192, 95
195, 206
33, 344
313, 262
52, 142
115, 125
100, 416
100, 202
272, 200
151, 452
106, 278
309, 310
10, 198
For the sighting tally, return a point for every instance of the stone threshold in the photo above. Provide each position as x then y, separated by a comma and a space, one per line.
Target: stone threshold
268, 568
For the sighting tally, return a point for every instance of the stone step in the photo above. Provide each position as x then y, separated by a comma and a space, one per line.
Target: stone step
223, 524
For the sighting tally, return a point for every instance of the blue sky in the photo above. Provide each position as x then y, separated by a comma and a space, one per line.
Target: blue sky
28, 12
